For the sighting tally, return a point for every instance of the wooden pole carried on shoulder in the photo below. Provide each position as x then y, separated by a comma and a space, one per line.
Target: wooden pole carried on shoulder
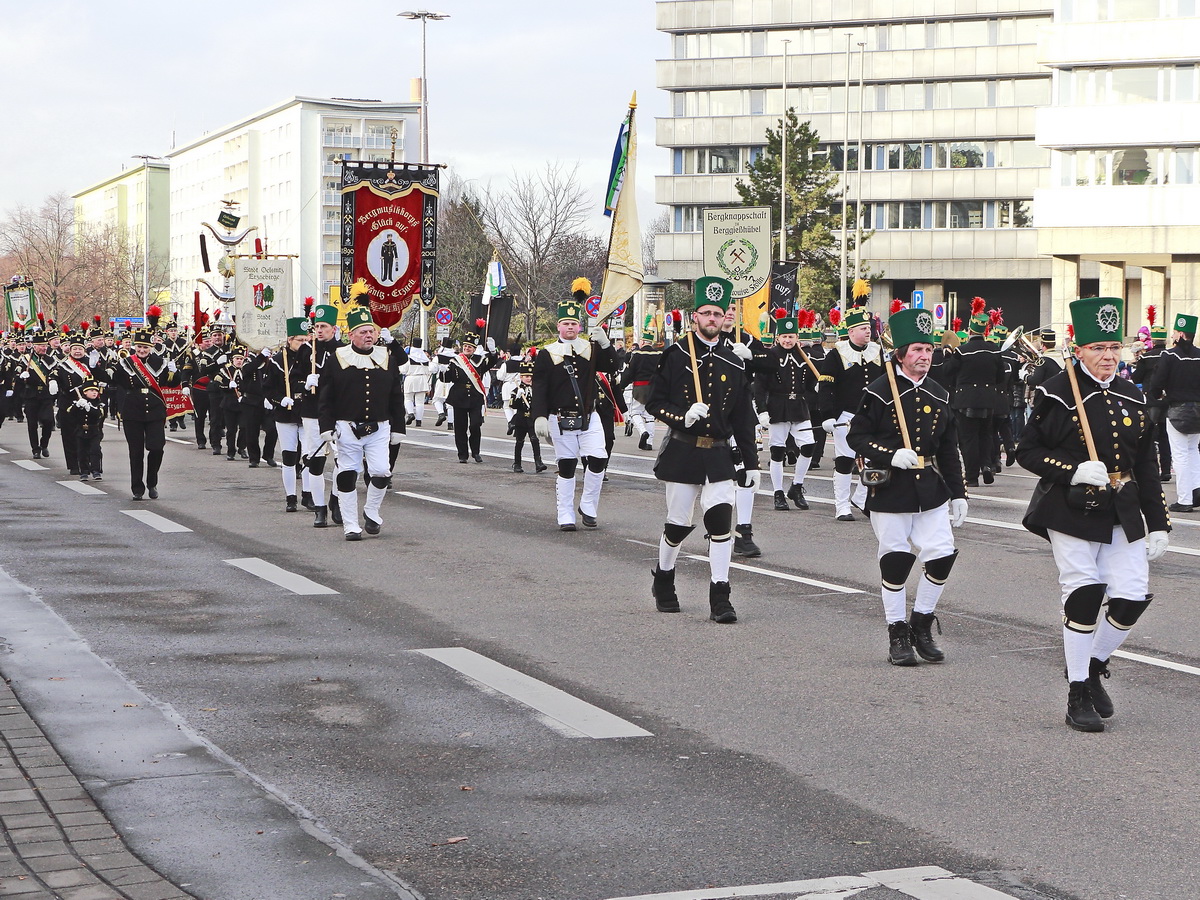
695, 366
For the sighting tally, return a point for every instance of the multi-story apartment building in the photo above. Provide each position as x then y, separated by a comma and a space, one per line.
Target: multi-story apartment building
1124, 131
133, 207
949, 164
281, 167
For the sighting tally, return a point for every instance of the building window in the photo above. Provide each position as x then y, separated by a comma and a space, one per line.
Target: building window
966, 213
1185, 166
1134, 166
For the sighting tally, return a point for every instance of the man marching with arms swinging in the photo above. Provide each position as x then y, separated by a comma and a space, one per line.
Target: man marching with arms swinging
701, 392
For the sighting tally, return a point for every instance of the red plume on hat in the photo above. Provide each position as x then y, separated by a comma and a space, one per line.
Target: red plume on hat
1151, 314
96, 318
780, 313
66, 329
83, 326
956, 325
995, 316
41, 317
897, 305
203, 318
977, 306
308, 303
128, 323
1071, 332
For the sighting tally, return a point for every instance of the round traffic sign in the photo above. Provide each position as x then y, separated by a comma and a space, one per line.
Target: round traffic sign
444, 316
592, 306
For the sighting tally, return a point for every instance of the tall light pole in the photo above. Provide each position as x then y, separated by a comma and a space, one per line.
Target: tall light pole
858, 194
424, 15
845, 175
783, 164
145, 231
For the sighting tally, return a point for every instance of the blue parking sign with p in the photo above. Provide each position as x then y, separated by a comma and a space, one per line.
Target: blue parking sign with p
918, 299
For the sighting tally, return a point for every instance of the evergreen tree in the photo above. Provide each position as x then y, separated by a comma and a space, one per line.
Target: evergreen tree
814, 219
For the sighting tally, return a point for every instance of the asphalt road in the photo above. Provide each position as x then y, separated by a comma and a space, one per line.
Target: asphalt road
780, 749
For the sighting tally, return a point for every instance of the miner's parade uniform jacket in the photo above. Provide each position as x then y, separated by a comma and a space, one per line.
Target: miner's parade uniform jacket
361, 387
703, 451
141, 401
850, 369
979, 372
875, 436
553, 393
464, 393
788, 379
1052, 446
271, 383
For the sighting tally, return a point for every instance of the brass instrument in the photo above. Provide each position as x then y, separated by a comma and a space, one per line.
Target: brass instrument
1020, 343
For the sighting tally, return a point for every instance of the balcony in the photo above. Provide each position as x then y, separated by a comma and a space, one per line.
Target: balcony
331, 257
331, 226
383, 141
340, 139
331, 198
332, 169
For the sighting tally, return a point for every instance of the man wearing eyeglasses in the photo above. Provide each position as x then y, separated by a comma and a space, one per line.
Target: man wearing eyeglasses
1099, 502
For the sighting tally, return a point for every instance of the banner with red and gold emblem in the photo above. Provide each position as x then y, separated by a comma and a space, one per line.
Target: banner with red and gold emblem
389, 234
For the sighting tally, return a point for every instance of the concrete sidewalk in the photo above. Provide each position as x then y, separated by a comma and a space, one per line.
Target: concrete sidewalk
108, 793
58, 844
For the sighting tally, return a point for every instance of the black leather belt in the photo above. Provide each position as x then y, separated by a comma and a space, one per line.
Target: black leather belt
703, 443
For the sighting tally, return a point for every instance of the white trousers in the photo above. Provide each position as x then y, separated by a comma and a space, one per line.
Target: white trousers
778, 435
930, 536
301, 438
842, 482
506, 394
1185, 458
352, 452
577, 445
1121, 565
681, 509
643, 422
414, 403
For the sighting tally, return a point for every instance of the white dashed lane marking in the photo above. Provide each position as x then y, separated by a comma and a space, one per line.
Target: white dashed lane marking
30, 465
155, 521
564, 713
80, 488
297, 584
436, 500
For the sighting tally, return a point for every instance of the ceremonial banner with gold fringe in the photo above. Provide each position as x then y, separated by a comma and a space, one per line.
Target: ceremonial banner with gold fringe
20, 303
389, 234
754, 313
262, 290
624, 272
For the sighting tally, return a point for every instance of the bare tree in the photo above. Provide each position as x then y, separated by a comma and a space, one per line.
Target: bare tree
42, 242
531, 223
660, 224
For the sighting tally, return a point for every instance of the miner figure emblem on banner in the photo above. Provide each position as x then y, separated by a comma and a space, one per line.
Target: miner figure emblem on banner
264, 296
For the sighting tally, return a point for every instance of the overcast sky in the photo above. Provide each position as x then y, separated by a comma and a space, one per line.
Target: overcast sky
89, 83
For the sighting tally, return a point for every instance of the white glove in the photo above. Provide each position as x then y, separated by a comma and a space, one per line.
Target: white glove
325, 437
1090, 472
958, 513
287, 402
266, 351
491, 345
764, 419
541, 427
741, 351
171, 367
600, 336
222, 359
751, 478
396, 438
905, 458
93, 358
695, 413
8, 393
385, 336
828, 426
187, 392
53, 388
311, 381
1156, 545
23, 375
83, 404
266, 403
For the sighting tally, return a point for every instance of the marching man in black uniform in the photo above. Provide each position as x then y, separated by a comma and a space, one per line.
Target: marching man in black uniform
360, 403
324, 343
920, 494
38, 388
854, 363
978, 374
1176, 380
1097, 498
467, 395
785, 372
640, 366
144, 374
282, 378
564, 407
701, 392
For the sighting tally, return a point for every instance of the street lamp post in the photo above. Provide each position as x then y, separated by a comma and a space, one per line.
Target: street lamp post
424, 16
145, 230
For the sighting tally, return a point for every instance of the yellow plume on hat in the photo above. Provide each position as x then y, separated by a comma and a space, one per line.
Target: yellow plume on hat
862, 288
581, 284
359, 288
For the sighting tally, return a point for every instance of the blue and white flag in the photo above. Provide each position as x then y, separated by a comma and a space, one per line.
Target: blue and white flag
494, 285
616, 175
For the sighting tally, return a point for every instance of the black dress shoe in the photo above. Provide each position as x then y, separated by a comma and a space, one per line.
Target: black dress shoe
290, 504
567, 526
781, 503
253, 465
1179, 507
37, 453
216, 451
477, 457
230, 457
644, 442
243, 454
518, 468
137, 496
270, 462
796, 495
588, 521
153, 492
462, 459
848, 517
989, 476
371, 526
971, 482
335, 510
539, 468
354, 535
